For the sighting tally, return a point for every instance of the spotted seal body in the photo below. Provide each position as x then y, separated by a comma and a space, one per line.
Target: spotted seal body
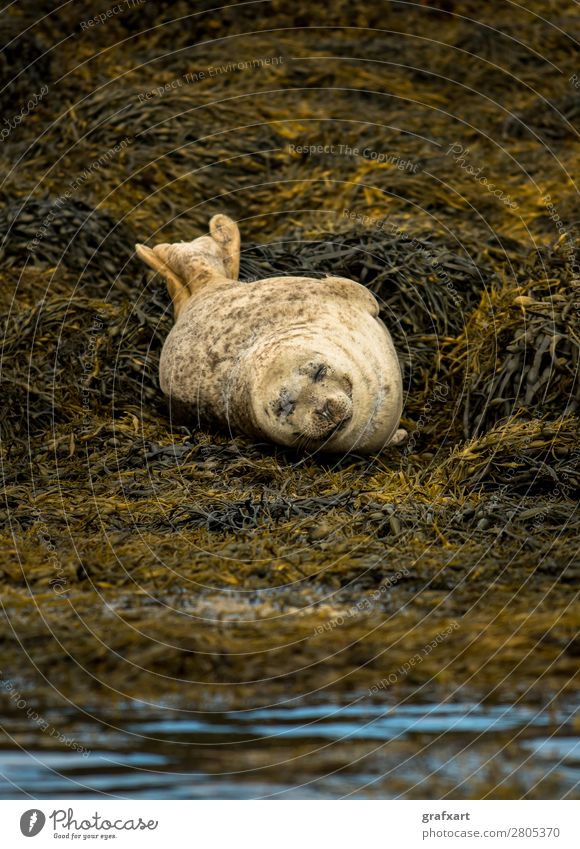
292, 360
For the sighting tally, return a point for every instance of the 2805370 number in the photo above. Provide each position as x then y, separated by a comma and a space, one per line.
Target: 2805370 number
534, 832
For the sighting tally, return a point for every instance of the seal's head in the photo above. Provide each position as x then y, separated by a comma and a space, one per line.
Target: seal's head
305, 399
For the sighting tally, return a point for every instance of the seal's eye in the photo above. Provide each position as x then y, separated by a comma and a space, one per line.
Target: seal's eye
320, 373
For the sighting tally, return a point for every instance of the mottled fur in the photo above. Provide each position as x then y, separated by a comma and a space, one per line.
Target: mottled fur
292, 360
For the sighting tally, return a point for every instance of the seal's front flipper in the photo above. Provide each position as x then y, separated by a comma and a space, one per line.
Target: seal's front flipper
352, 291
157, 259
400, 436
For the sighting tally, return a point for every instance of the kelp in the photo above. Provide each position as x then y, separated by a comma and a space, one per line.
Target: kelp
533, 362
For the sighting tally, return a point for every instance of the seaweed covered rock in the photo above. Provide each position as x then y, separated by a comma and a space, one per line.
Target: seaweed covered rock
547, 120
51, 232
25, 69
68, 355
521, 347
535, 456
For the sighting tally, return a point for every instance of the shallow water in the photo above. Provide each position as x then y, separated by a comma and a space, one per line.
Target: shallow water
359, 750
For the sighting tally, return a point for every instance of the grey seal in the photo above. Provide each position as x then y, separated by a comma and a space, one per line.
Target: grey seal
293, 360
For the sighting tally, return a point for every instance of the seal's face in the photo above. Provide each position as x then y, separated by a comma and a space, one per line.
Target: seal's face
309, 404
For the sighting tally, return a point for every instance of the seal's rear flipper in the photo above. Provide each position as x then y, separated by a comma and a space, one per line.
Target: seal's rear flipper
190, 266
177, 287
226, 233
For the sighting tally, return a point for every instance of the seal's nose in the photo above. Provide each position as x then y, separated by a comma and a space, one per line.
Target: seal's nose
336, 410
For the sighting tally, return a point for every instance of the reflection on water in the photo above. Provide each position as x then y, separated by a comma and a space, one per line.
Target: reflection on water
359, 750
